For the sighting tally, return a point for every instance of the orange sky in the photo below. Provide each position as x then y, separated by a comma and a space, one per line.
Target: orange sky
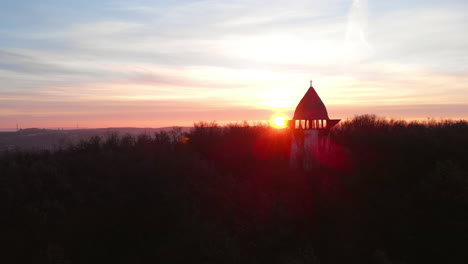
64, 64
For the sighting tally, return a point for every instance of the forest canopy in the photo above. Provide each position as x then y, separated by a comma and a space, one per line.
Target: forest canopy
226, 194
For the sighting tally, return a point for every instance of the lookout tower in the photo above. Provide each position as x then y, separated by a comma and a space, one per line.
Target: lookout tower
310, 125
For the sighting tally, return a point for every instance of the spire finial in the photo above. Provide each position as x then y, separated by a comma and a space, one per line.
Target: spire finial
310, 83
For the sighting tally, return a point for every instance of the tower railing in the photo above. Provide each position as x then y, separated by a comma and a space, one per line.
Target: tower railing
309, 124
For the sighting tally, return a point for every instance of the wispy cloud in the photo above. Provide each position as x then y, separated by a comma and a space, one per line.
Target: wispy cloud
242, 54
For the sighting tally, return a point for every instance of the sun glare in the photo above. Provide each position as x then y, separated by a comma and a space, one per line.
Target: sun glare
278, 122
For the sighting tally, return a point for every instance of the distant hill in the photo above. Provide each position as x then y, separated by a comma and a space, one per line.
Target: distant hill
38, 138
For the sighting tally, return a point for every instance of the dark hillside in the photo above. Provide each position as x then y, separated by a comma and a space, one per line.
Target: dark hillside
396, 193
33, 139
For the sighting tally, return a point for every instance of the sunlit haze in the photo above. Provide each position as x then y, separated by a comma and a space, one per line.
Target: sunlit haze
142, 63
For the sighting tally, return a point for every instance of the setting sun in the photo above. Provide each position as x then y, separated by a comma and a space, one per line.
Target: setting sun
278, 122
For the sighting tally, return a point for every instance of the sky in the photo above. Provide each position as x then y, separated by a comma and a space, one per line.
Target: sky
143, 63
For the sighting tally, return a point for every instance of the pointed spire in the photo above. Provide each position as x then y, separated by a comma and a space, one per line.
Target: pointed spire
310, 107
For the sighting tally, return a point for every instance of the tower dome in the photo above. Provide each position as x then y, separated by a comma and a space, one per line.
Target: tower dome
311, 113
311, 107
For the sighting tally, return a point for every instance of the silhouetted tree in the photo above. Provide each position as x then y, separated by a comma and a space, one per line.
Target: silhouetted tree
226, 194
